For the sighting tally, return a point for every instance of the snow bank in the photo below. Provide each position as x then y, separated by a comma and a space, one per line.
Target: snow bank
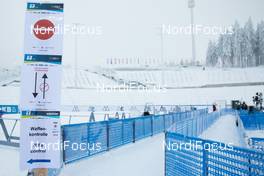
9, 162
145, 157
225, 130
255, 133
192, 77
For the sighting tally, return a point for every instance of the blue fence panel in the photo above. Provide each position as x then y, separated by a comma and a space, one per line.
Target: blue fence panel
97, 136
102, 136
168, 120
252, 121
257, 143
233, 161
158, 124
115, 133
128, 131
209, 158
73, 136
181, 160
139, 128
147, 126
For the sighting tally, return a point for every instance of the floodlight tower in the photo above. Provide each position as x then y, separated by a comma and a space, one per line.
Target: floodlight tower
76, 26
191, 5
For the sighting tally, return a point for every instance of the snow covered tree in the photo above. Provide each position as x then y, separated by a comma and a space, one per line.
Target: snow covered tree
249, 44
237, 38
245, 47
212, 54
259, 50
226, 49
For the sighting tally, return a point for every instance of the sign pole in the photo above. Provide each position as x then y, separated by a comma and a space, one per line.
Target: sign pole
40, 172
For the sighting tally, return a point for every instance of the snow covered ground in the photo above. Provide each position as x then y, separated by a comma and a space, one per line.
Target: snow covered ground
9, 162
173, 77
255, 133
145, 157
225, 130
10, 95
195, 77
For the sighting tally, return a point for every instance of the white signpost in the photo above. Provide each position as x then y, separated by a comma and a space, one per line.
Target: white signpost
40, 88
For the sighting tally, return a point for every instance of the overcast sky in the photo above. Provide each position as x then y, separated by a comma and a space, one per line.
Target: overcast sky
130, 28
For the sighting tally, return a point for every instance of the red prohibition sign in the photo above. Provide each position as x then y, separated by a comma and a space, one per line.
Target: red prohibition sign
44, 29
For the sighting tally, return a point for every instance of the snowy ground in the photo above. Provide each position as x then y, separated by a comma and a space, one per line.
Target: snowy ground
173, 77
10, 95
195, 77
225, 130
145, 157
255, 133
9, 161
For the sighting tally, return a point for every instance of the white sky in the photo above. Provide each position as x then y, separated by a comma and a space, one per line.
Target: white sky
130, 28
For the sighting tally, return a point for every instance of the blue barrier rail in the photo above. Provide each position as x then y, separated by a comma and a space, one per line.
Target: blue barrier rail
252, 120
257, 144
87, 139
195, 126
187, 155
209, 158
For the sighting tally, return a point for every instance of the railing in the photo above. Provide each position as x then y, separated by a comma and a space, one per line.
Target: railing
186, 154
257, 143
209, 158
87, 139
252, 120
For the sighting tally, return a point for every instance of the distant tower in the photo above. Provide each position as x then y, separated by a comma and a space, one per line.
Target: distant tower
191, 5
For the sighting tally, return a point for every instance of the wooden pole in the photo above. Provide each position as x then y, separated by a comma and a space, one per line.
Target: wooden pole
40, 172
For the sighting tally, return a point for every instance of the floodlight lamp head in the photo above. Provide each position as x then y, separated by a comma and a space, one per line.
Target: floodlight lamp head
191, 3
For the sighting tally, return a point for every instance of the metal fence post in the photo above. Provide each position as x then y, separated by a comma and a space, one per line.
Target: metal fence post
122, 131
205, 164
107, 136
134, 131
165, 160
63, 148
164, 124
88, 137
151, 122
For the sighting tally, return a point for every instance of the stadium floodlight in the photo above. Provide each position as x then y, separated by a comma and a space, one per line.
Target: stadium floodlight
76, 26
191, 5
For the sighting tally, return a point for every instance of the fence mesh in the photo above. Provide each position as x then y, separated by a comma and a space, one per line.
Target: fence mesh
84, 140
185, 155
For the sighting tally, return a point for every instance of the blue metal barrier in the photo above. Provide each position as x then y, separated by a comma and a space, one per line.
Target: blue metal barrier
139, 129
187, 156
252, 121
84, 140
148, 126
158, 124
128, 131
115, 133
257, 144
